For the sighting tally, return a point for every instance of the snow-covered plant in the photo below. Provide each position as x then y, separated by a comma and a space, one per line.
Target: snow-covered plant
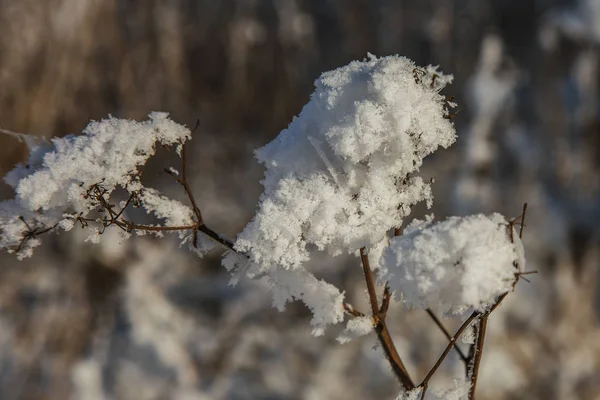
339, 179
440, 265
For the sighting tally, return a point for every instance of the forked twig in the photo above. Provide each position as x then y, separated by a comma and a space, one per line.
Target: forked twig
445, 332
451, 344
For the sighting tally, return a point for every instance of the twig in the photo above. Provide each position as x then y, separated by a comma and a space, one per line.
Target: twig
370, 282
97, 193
446, 333
478, 354
381, 329
22, 137
349, 309
523, 220
453, 340
32, 233
385, 302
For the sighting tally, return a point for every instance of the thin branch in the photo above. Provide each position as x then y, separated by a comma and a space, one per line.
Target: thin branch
152, 228
478, 353
381, 329
471, 357
453, 340
385, 302
370, 282
116, 219
349, 309
97, 194
218, 238
131, 196
392, 355
446, 333
523, 220
22, 137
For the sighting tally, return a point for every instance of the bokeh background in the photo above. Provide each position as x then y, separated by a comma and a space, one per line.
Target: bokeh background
147, 320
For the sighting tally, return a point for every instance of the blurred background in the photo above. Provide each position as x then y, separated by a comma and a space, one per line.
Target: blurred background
147, 320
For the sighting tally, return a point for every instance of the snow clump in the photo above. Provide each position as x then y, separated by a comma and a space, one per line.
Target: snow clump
460, 263
51, 190
341, 174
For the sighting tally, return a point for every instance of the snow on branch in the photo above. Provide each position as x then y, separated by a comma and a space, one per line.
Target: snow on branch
340, 175
68, 180
456, 264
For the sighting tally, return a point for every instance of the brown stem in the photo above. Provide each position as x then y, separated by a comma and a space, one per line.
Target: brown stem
370, 282
151, 228
453, 340
216, 237
446, 333
385, 302
381, 329
478, 354
523, 220
392, 355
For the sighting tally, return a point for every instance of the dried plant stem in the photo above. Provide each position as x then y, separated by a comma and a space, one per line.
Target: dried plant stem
186, 186
452, 343
446, 333
128, 225
112, 217
381, 328
523, 220
478, 353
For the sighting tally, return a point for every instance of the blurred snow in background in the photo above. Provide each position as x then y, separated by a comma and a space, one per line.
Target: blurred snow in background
151, 321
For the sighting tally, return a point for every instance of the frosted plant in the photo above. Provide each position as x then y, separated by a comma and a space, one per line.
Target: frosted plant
337, 180
72, 181
454, 265
341, 174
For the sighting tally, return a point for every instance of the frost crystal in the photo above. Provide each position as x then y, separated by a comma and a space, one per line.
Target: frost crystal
454, 264
340, 175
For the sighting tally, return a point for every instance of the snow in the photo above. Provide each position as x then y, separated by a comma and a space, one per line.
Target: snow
457, 264
109, 152
460, 391
52, 188
414, 394
356, 327
337, 180
340, 175
324, 300
468, 336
